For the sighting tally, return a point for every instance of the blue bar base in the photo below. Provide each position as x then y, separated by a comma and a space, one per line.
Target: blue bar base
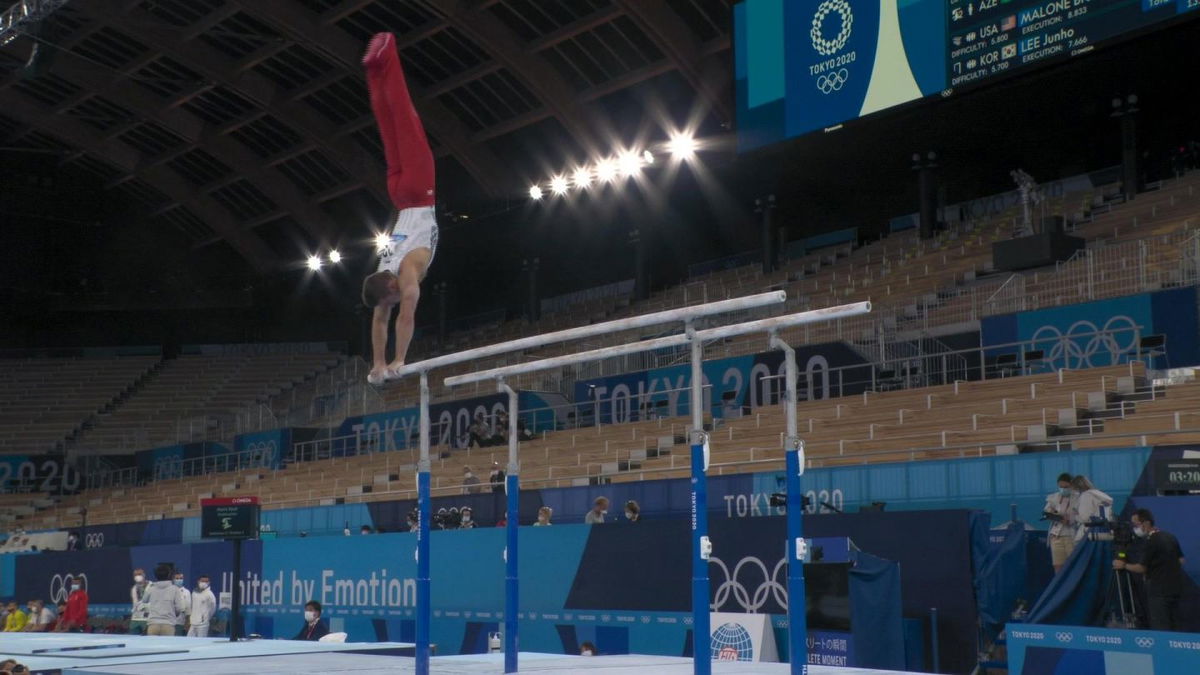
424, 599
511, 575
701, 620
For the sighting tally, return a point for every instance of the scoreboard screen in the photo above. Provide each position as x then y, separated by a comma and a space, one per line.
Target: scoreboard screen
807, 65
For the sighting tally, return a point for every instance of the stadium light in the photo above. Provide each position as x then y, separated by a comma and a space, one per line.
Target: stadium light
382, 240
335, 256
314, 262
558, 185
606, 170
630, 163
648, 157
535, 193
582, 177
682, 146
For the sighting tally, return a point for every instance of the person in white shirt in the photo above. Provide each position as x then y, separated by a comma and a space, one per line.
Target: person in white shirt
40, 617
1092, 504
182, 621
204, 606
1060, 509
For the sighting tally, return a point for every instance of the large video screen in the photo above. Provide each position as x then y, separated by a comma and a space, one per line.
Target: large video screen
808, 65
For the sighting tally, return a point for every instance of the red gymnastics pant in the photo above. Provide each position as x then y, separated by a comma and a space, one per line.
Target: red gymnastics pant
409, 161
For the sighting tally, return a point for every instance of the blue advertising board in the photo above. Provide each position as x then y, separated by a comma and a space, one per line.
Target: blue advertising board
1051, 650
266, 449
731, 384
449, 422
1101, 333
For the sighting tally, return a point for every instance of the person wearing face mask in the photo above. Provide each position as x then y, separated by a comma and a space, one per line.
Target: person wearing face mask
1060, 508
314, 628
203, 606
41, 617
633, 512
73, 618
1091, 503
470, 482
598, 512
544, 515
181, 623
466, 521
1161, 562
586, 648
137, 594
164, 602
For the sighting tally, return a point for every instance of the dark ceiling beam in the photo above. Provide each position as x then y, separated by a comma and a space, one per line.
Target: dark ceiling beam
125, 158
212, 64
625, 81
197, 133
581, 25
461, 79
684, 50
534, 72
492, 174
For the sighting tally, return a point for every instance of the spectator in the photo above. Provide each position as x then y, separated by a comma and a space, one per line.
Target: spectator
1060, 508
203, 607
502, 521
470, 482
137, 594
181, 622
74, 614
477, 433
366, 529
1161, 562
587, 649
72, 541
14, 619
523, 433
632, 511
1092, 503
164, 603
598, 512
544, 514
59, 610
465, 520
41, 617
496, 479
413, 521
314, 628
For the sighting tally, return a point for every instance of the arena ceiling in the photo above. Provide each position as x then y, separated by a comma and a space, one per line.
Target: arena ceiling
246, 123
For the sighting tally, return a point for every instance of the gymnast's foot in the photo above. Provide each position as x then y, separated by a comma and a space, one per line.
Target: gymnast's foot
375, 47
378, 375
393, 370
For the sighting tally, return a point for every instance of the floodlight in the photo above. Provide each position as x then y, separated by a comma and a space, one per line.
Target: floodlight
558, 185
606, 170
682, 145
631, 163
535, 192
382, 240
335, 256
648, 157
582, 177
314, 262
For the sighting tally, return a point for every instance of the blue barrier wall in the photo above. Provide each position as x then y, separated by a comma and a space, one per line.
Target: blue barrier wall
625, 587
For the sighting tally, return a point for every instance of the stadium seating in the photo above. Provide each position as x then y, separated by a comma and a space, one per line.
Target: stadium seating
198, 397
44, 401
965, 420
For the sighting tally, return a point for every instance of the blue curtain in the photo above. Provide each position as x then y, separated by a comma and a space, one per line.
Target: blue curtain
1002, 578
1078, 593
877, 625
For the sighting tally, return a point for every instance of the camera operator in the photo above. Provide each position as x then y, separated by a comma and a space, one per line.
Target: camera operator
1060, 509
1162, 564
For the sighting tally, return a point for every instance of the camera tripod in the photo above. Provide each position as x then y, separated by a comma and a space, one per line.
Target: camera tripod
1124, 615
